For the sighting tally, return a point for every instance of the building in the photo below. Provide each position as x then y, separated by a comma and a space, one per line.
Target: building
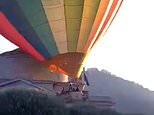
42, 86
102, 102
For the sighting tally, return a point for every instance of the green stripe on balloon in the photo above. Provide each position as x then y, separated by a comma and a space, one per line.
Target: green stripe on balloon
89, 13
34, 12
16, 17
73, 15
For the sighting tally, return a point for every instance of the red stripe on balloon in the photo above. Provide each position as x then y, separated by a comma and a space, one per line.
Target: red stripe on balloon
113, 6
9, 32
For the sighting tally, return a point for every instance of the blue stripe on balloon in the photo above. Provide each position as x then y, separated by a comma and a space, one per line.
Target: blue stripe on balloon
15, 15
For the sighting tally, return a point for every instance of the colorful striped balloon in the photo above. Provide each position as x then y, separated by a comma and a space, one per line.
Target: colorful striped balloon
58, 32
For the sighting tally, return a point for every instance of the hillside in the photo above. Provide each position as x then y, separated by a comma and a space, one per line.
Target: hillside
18, 64
129, 96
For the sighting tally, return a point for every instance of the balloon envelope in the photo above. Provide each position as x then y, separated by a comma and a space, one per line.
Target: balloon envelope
57, 32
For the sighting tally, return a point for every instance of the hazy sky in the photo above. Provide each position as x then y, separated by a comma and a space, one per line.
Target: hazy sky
127, 49
5, 45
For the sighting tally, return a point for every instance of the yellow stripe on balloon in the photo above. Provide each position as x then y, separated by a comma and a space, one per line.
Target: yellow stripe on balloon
88, 17
54, 10
99, 16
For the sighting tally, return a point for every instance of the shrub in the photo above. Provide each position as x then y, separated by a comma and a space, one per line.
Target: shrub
109, 112
85, 109
28, 102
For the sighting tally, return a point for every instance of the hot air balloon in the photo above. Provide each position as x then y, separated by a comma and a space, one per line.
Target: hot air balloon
59, 33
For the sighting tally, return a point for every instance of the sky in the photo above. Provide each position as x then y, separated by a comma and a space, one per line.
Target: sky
127, 48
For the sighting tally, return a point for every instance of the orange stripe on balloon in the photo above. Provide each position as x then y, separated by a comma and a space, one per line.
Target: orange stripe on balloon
9, 32
113, 6
114, 15
100, 14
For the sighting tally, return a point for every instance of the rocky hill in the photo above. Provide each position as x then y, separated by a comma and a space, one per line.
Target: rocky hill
18, 64
129, 96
